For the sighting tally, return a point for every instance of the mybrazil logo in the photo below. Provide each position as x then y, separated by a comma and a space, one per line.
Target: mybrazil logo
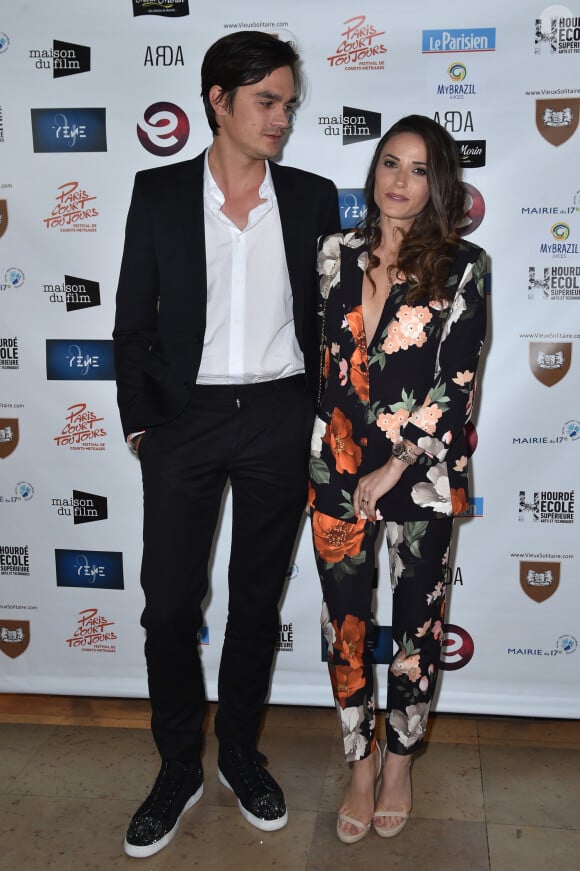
68, 130
82, 360
89, 568
458, 40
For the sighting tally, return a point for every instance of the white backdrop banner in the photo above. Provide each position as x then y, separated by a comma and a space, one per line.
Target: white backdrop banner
90, 93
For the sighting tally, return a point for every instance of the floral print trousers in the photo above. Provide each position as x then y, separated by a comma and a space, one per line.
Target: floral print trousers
418, 557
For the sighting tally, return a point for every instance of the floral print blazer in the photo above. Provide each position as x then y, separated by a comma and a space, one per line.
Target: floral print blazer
414, 378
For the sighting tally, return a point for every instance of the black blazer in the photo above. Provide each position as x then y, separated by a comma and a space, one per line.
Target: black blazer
162, 292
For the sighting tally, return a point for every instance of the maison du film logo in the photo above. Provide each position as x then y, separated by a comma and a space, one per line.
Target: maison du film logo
64, 58
9, 436
554, 283
539, 580
546, 506
168, 8
557, 119
89, 568
458, 40
75, 292
83, 360
81, 507
360, 47
82, 430
93, 633
557, 31
73, 211
68, 130
14, 559
354, 125
550, 361
164, 129
9, 353
13, 278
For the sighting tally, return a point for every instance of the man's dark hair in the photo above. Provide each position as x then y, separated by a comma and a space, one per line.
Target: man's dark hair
243, 58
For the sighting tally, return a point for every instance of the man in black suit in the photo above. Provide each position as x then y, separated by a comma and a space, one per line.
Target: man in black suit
217, 361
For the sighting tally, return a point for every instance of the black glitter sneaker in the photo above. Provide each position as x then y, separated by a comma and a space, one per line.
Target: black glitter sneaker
179, 785
260, 799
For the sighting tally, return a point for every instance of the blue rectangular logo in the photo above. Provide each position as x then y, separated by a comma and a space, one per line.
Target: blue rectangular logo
68, 130
89, 568
382, 646
352, 206
475, 507
79, 360
456, 40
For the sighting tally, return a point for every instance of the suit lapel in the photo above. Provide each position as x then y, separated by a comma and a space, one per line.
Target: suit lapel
286, 196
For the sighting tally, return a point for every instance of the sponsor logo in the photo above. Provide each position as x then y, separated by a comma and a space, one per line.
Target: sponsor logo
354, 125
458, 88
352, 206
8, 352
471, 152
14, 637
13, 278
570, 432
164, 129
382, 645
89, 568
170, 8
23, 492
89, 360
14, 559
547, 506
83, 507
457, 649
93, 633
360, 46
71, 213
77, 293
66, 130
453, 576
203, 635
64, 58
1, 127
285, 637
557, 120
458, 40
550, 361
561, 247
293, 572
539, 580
554, 282
9, 435
4, 42
474, 210
557, 34
455, 121
471, 438
3, 217
163, 56
565, 644
475, 508
82, 430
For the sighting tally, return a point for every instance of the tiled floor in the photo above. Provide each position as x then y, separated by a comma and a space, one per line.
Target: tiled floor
489, 793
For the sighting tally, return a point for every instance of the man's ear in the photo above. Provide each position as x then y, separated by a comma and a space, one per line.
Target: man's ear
216, 99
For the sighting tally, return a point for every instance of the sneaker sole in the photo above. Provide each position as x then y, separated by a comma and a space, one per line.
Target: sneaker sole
258, 822
142, 852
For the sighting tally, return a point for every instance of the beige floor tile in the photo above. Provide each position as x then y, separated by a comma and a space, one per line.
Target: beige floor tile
288, 719
439, 845
533, 849
18, 744
89, 763
532, 731
531, 786
451, 729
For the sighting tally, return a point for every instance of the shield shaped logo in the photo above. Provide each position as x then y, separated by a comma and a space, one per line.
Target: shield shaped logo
557, 120
9, 433
550, 361
3, 216
539, 580
14, 637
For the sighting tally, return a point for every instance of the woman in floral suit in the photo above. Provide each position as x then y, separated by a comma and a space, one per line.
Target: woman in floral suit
404, 322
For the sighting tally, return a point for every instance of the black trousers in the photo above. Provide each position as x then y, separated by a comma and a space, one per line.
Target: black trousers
258, 437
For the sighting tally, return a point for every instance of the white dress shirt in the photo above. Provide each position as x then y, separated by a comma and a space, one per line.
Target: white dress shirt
249, 334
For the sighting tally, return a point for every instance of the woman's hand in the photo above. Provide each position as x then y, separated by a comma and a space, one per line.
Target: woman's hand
370, 488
